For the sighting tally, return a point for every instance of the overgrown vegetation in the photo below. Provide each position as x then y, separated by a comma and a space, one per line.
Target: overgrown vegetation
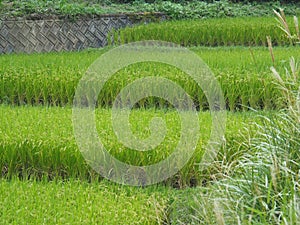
175, 10
263, 186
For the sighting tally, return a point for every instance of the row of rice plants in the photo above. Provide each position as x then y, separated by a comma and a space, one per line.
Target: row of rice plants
75, 202
207, 32
39, 88
38, 142
244, 76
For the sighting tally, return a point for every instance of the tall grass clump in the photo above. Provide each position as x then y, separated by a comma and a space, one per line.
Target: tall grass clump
294, 38
266, 182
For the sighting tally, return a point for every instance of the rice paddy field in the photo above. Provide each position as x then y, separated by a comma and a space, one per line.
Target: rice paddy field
254, 178
246, 31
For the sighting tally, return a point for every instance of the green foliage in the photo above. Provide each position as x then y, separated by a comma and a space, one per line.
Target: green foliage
254, 179
47, 8
261, 188
285, 27
174, 10
216, 9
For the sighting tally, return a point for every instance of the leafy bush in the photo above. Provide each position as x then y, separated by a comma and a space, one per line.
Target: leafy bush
174, 10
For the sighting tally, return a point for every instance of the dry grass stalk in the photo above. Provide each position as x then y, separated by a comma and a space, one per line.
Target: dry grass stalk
283, 25
269, 41
282, 20
297, 27
289, 85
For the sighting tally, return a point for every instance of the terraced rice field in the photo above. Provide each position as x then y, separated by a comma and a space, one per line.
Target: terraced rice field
253, 180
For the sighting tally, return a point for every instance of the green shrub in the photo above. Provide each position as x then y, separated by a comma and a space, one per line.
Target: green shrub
174, 10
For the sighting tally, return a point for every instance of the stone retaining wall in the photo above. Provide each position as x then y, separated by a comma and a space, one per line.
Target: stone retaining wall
57, 34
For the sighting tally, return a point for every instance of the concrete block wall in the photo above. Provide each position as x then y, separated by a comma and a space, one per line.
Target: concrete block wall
58, 34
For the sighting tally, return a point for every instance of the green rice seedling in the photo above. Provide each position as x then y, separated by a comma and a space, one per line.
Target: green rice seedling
46, 91
21, 91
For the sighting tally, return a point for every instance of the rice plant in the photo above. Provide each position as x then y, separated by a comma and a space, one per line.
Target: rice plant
79, 202
38, 143
207, 32
51, 80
